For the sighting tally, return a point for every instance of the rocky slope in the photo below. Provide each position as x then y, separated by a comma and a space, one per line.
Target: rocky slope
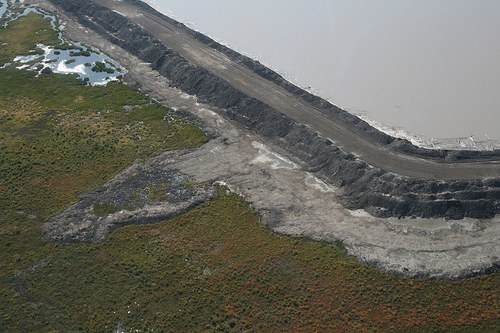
381, 193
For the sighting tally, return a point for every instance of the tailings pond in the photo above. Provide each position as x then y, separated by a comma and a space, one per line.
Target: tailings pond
424, 70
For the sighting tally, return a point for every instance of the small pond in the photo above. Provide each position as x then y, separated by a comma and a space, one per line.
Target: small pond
87, 63
90, 65
3, 7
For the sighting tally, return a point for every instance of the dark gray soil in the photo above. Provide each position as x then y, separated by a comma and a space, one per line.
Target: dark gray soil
144, 193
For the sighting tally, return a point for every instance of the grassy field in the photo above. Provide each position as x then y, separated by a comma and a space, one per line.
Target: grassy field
23, 35
214, 269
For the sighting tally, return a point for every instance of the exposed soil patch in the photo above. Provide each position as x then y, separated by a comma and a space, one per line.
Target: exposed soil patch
143, 193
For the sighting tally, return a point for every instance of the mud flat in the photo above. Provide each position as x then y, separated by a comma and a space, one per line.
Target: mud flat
290, 198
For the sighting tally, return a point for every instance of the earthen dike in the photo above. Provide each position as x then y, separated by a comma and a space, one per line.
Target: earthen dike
386, 176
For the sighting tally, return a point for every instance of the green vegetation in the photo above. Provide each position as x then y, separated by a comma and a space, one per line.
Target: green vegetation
187, 184
101, 67
214, 269
105, 208
57, 132
67, 46
158, 192
79, 53
23, 35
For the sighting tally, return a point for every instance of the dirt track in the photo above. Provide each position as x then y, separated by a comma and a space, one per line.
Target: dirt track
342, 134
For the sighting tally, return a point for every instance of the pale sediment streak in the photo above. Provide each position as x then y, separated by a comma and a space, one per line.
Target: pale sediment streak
462, 143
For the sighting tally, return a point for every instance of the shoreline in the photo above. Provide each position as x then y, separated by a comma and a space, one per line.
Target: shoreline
375, 133
466, 142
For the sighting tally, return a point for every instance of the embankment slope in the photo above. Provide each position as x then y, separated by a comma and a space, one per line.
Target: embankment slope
381, 174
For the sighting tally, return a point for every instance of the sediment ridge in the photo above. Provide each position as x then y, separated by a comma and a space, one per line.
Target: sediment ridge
365, 186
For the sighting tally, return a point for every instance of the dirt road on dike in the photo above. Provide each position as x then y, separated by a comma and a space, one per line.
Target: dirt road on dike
344, 135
